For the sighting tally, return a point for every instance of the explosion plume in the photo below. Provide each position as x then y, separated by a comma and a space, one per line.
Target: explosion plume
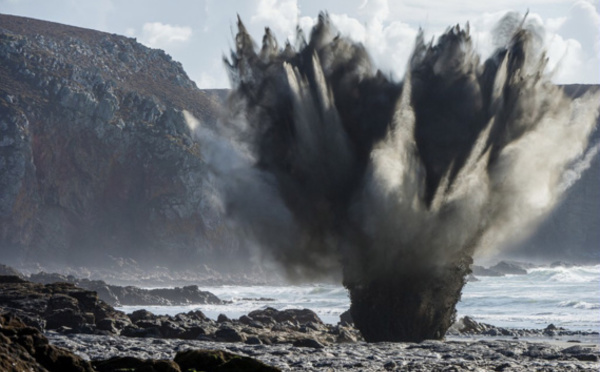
331, 166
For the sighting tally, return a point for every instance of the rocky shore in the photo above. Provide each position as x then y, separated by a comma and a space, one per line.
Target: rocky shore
464, 355
78, 321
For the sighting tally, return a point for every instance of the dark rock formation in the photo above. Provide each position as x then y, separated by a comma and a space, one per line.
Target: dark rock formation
24, 348
96, 158
115, 295
68, 309
219, 361
58, 306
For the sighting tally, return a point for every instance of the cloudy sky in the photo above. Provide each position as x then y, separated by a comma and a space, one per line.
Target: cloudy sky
199, 32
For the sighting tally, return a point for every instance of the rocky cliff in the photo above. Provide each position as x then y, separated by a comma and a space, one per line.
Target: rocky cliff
96, 159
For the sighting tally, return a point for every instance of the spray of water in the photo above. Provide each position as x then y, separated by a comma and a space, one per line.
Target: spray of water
330, 166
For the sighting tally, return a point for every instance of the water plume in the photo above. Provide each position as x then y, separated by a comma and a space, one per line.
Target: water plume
395, 184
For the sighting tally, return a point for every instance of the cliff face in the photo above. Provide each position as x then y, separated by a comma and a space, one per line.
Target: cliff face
96, 158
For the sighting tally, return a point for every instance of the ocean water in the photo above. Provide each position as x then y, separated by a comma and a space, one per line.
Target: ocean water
565, 297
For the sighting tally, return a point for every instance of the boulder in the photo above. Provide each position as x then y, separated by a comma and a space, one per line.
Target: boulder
297, 317
219, 361
228, 334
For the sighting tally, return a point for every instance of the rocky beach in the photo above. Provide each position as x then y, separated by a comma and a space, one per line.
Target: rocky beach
76, 320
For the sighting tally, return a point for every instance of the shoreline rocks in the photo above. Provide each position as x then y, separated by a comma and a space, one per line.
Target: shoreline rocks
69, 309
115, 295
75, 319
24, 348
464, 355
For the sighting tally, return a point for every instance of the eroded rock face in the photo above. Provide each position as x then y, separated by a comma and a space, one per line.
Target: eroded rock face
96, 158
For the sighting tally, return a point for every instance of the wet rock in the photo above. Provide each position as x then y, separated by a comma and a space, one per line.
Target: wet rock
192, 333
56, 305
228, 334
24, 348
222, 318
221, 361
253, 340
294, 316
141, 314
481, 355
65, 317
308, 342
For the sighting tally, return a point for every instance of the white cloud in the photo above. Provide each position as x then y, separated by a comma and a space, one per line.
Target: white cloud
280, 16
583, 25
159, 35
574, 45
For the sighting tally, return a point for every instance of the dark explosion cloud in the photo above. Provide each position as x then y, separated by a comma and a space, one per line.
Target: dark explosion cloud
330, 166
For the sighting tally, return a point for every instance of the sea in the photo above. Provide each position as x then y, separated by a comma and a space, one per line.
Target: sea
567, 297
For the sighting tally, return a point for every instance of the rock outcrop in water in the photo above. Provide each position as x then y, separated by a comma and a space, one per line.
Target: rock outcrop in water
96, 158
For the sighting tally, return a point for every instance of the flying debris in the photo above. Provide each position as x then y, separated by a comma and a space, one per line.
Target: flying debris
330, 166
